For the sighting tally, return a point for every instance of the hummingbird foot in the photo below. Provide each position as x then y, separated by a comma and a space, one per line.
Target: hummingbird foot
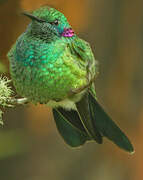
19, 101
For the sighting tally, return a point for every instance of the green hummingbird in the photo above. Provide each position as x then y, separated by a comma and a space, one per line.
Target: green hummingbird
51, 65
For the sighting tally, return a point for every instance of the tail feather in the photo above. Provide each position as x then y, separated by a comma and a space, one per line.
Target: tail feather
107, 127
83, 110
89, 122
70, 127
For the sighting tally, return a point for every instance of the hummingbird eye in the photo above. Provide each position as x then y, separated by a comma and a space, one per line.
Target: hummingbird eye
56, 22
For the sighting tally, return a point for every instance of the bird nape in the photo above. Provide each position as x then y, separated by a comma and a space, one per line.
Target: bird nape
50, 64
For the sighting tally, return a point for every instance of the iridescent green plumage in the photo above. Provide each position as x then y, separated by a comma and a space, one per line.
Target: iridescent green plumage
51, 65
40, 65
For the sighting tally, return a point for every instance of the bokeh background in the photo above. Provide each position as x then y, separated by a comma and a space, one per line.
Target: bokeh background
30, 146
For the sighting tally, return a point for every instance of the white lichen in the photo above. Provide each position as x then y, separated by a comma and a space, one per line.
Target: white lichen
5, 91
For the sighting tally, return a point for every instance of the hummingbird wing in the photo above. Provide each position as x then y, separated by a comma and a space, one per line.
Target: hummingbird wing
98, 124
94, 119
89, 122
70, 127
83, 110
106, 126
81, 50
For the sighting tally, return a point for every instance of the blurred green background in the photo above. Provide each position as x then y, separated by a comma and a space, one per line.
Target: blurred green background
30, 146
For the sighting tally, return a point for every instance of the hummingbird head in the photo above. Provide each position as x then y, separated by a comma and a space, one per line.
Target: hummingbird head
48, 22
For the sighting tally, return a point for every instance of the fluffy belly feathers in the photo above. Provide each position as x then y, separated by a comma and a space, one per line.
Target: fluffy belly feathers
48, 81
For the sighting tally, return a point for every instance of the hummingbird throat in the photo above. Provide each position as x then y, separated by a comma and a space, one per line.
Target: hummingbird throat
68, 32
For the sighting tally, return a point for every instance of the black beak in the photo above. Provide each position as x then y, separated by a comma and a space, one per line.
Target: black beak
31, 16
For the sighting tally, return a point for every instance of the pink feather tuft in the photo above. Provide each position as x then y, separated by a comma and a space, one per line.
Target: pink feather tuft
68, 32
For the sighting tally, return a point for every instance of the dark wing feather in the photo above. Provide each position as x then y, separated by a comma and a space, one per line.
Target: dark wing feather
107, 127
83, 110
70, 127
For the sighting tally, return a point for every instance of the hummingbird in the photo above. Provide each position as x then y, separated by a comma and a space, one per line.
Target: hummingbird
51, 65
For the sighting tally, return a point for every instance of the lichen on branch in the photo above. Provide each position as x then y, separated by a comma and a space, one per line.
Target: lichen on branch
6, 96
5, 91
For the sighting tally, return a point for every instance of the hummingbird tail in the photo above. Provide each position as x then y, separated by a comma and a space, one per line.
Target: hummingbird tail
89, 122
70, 127
106, 126
84, 113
